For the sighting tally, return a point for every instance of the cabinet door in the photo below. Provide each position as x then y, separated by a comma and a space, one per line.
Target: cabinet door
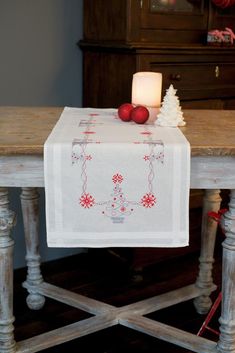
173, 20
221, 18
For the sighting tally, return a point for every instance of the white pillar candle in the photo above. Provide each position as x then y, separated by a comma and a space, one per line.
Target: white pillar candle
147, 91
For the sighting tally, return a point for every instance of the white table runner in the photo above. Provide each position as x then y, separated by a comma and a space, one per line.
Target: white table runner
111, 183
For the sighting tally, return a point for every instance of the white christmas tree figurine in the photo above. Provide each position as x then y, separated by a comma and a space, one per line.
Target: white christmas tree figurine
170, 112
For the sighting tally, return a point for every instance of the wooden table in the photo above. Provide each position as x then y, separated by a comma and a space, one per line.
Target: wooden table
212, 137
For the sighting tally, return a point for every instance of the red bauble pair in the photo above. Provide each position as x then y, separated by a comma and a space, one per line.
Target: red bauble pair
138, 114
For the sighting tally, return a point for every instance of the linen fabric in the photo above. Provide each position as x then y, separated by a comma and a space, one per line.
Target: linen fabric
111, 183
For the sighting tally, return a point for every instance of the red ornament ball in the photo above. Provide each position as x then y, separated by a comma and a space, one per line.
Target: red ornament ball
124, 111
140, 114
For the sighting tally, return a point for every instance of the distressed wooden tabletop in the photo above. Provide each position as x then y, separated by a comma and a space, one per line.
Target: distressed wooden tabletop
23, 130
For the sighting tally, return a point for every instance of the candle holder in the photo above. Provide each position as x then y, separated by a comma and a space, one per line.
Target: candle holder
147, 91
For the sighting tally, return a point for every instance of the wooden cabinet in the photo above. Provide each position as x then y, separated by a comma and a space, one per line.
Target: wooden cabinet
169, 36
122, 37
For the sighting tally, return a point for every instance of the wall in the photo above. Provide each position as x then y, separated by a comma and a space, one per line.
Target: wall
40, 65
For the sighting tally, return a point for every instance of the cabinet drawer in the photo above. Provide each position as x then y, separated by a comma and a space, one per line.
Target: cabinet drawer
198, 80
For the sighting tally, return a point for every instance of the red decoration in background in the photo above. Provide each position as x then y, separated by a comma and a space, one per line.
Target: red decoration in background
217, 37
216, 216
224, 3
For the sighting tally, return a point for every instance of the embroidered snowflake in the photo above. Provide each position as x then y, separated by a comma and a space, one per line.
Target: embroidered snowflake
146, 158
148, 200
86, 200
117, 178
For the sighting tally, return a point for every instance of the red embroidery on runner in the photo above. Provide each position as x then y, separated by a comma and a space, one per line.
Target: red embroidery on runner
148, 200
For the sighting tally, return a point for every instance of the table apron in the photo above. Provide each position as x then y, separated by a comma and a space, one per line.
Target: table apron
212, 172
208, 172
21, 171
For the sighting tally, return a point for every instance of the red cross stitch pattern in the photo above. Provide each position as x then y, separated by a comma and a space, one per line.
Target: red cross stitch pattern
117, 178
148, 200
146, 158
86, 200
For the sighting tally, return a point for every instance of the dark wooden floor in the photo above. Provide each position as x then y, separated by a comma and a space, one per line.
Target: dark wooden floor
101, 276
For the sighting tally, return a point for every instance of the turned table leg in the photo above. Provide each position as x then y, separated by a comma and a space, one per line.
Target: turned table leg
30, 209
7, 220
211, 202
226, 342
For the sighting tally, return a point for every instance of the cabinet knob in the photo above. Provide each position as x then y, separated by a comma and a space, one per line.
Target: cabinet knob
217, 71
175, 77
